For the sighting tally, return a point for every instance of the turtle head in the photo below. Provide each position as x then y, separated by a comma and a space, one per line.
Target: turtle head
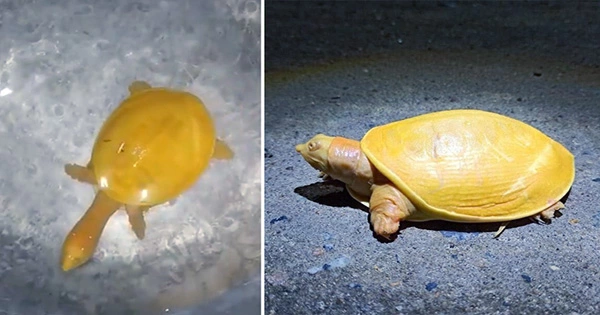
316, 152
338, 157
75, 253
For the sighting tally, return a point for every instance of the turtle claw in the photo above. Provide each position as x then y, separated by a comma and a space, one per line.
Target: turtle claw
324, 176
547, 214
501, 229
384, 226
536, 219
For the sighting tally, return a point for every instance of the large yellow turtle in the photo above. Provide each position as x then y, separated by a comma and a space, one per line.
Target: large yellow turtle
454, 165
151, 148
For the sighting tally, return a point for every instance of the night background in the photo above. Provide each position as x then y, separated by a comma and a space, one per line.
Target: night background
341, 68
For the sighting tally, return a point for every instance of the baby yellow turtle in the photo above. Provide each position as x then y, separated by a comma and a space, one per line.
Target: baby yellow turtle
151, 148
456, 165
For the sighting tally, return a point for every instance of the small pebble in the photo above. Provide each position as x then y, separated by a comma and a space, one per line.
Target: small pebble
339, 262
430, 286
596, 221
461, 236
574, 221
281, 218
355, 286
489, 255
321, 305
318, 252
555, 268
314, 270
276, 278
526, 278
328, 247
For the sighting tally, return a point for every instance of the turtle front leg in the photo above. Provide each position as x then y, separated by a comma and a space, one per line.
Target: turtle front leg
222, 151
136, 219
80, 173
138, 86
388, 206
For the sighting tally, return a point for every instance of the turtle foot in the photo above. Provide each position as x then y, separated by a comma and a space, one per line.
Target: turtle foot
138, 86
222, 151
383, 225
80, 173
136, 220
324, 176
547, 214
388, 208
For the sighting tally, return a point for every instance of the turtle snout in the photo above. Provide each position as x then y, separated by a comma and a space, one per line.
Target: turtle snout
305, 153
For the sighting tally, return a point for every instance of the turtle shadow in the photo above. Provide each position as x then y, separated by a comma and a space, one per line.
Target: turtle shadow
333, 193
453, 228
330, 193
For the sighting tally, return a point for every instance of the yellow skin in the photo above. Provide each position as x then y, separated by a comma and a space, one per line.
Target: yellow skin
455, 165
153, 147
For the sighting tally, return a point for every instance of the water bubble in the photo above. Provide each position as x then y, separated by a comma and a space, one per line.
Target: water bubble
251, 7
31, 169
58, 110
26, 243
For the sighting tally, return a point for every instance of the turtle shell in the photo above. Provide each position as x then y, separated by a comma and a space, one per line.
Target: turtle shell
471, 165
153, 146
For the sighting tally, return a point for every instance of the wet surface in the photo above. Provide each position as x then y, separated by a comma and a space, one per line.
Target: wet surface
65, 66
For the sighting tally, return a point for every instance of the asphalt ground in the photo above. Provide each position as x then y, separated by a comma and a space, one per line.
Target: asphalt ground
341, 68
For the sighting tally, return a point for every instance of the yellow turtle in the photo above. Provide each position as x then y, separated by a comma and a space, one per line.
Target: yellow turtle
455, 165
151, 148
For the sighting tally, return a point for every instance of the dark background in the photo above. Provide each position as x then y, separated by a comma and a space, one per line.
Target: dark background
343, 67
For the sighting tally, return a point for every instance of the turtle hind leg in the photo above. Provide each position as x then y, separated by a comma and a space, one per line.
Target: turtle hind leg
544, 216
136, 219
324, 176
547, 214
222, 151
138, 86
80, 173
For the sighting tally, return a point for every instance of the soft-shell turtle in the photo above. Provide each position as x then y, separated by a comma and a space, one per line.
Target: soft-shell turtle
455, 165
151, 148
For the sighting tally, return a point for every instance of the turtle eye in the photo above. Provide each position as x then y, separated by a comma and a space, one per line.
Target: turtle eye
312, 146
